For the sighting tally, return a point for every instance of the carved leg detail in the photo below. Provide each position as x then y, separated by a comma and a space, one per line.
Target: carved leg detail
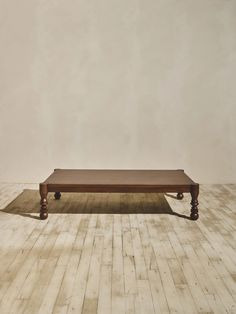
57, 195
180, 196
43, 209
194, 202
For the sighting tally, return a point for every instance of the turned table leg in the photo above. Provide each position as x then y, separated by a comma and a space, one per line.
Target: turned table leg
57, 195
194, 202
43, 209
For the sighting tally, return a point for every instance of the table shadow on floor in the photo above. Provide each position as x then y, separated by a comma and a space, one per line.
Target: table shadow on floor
27, 204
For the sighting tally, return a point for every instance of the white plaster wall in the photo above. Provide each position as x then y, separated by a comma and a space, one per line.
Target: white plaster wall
118, 84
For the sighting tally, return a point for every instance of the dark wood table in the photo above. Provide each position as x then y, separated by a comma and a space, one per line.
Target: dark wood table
120, 181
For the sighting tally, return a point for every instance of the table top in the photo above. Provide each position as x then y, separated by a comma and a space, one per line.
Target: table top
94, 177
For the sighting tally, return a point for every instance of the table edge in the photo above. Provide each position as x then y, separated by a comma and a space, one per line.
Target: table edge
59, 169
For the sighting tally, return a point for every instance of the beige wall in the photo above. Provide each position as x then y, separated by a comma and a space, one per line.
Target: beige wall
118, 84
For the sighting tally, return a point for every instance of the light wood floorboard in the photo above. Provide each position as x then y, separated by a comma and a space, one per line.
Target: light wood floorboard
91, 262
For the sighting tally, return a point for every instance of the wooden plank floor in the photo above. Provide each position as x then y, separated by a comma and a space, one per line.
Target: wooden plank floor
121, 263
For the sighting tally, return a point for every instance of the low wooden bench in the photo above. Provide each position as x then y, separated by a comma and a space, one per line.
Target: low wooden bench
120, 181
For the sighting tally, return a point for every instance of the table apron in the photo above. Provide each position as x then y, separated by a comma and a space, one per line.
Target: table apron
120, 189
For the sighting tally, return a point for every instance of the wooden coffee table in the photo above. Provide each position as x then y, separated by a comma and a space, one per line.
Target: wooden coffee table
120, 181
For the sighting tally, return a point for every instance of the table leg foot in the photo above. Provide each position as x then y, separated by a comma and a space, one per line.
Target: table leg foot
180, 196
57, 195
43, 215
194, 216
194, 202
